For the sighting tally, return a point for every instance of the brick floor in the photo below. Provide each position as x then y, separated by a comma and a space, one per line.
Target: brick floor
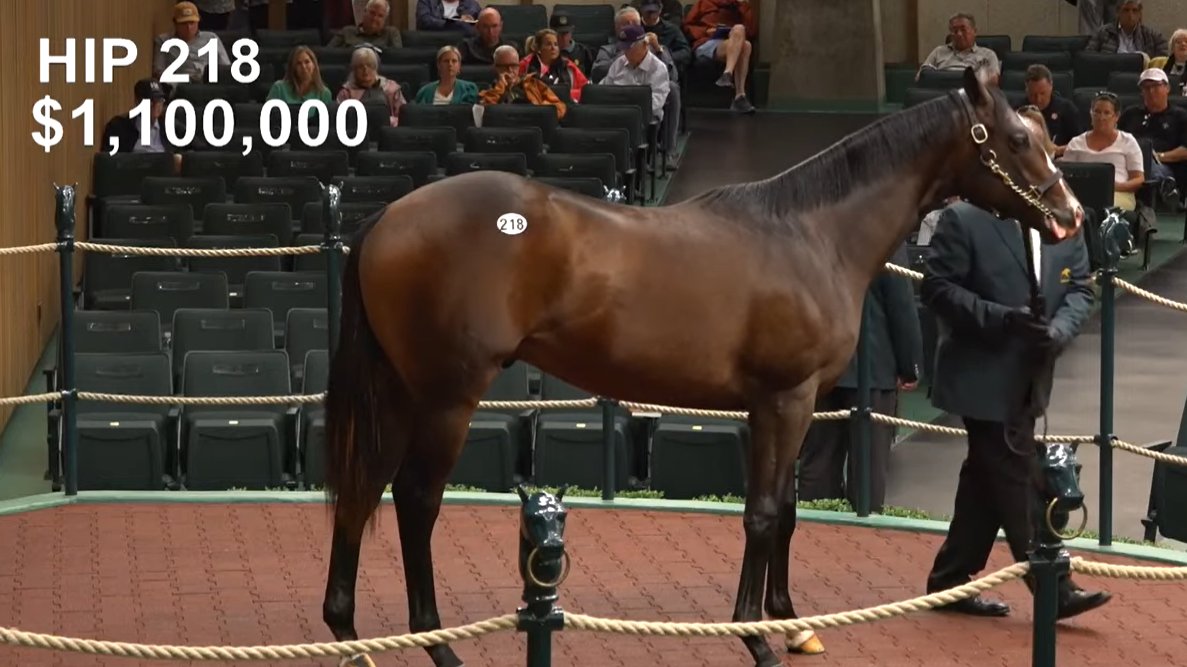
255, 574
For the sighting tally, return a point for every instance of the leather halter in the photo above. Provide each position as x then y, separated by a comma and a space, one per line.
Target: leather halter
1032, 195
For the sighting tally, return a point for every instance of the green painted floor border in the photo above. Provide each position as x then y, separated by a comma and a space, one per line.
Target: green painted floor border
52, 500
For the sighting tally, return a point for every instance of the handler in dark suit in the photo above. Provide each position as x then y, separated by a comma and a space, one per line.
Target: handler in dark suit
895, 346
987, 372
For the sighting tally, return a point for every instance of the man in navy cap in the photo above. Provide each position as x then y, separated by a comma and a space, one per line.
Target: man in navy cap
636, 65
579, 53
125, 132
670, 35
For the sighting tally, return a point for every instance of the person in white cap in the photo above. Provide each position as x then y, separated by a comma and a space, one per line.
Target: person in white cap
1164, 126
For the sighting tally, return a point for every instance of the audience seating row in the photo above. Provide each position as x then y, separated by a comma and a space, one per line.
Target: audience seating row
228, 353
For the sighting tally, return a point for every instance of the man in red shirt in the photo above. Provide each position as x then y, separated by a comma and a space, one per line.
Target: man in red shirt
722, 31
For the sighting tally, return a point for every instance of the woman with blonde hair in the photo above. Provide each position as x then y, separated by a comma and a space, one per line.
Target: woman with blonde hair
448, 88
551, 65
1176, 62
366, 85
302, 79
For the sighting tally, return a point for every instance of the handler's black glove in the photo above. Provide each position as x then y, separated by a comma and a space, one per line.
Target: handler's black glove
1020, 322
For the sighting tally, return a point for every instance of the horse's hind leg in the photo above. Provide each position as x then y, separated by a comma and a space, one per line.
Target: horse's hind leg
338, 608
417, 492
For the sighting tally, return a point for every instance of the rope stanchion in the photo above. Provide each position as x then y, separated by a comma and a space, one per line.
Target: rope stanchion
15, 637
29, 249
787, 626
197, 252
30, 399
1142, 572
1150, 296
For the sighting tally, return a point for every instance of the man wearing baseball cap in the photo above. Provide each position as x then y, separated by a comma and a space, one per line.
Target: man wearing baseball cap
185, 28
636, 65
670, 35
1165, 126
580, 54
122, 134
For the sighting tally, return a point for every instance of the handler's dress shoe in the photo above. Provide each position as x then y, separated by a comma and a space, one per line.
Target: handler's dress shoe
977, 606
1078, 601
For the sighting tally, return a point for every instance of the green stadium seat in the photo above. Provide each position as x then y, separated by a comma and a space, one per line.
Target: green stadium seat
697, 456
569, 445
225, 447
123, 446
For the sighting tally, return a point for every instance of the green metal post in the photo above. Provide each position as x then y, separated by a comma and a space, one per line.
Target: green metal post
1048, 562
861, 420
332, 248
1108, 318
543, 565
608, 440
65, 226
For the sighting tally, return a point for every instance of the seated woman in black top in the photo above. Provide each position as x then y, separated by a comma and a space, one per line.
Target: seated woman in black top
551, 65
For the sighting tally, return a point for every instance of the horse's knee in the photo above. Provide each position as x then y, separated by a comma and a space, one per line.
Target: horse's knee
761, 519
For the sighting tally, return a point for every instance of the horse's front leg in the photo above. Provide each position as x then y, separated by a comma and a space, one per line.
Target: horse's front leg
778, 593
772, 419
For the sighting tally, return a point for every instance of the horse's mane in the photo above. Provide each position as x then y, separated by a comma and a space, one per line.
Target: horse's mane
884, 146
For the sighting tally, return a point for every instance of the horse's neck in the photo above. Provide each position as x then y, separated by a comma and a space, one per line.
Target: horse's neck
867, 229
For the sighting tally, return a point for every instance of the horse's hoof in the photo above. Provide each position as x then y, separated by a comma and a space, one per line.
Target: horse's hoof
360, 660
805, 642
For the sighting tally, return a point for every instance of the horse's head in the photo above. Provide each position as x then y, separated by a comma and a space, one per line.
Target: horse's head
1013, 174
543, 562
1060, 480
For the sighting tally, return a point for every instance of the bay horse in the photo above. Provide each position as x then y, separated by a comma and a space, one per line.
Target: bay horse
746, 297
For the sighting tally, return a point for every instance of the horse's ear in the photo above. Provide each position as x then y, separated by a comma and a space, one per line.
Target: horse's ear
974, 86
523, 495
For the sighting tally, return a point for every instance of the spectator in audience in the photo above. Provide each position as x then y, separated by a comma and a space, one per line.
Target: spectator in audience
994, 362
896, 351
480, 49
122, 134
628, 16
185, 28
638, 66
580, 54
1059, 113
724, 31
302, 79
511, 88
448, 88
457, 15
670, 10
961, 49
1176, 62
215, 14
552, 66
1165, 127
373, 29
669, 35
1128, 34
368, 86
610, 50
1106, 143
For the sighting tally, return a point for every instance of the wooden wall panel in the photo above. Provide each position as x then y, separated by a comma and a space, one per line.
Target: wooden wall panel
29, 284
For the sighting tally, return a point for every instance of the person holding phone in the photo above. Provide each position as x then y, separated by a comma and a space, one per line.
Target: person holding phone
723, 31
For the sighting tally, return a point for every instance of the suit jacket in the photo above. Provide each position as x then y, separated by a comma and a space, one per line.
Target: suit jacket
976, 273
892, 328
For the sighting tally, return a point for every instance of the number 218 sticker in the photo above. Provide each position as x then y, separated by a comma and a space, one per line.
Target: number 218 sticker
512, 224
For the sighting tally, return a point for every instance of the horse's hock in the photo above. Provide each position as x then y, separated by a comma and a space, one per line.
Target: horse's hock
197, 574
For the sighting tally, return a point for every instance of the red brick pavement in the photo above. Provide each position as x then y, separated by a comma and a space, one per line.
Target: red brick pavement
255, 574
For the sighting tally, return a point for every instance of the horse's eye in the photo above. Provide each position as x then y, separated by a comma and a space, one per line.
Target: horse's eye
1019, 141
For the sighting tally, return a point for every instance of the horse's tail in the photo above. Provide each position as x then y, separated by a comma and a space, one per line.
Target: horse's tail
360, 392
